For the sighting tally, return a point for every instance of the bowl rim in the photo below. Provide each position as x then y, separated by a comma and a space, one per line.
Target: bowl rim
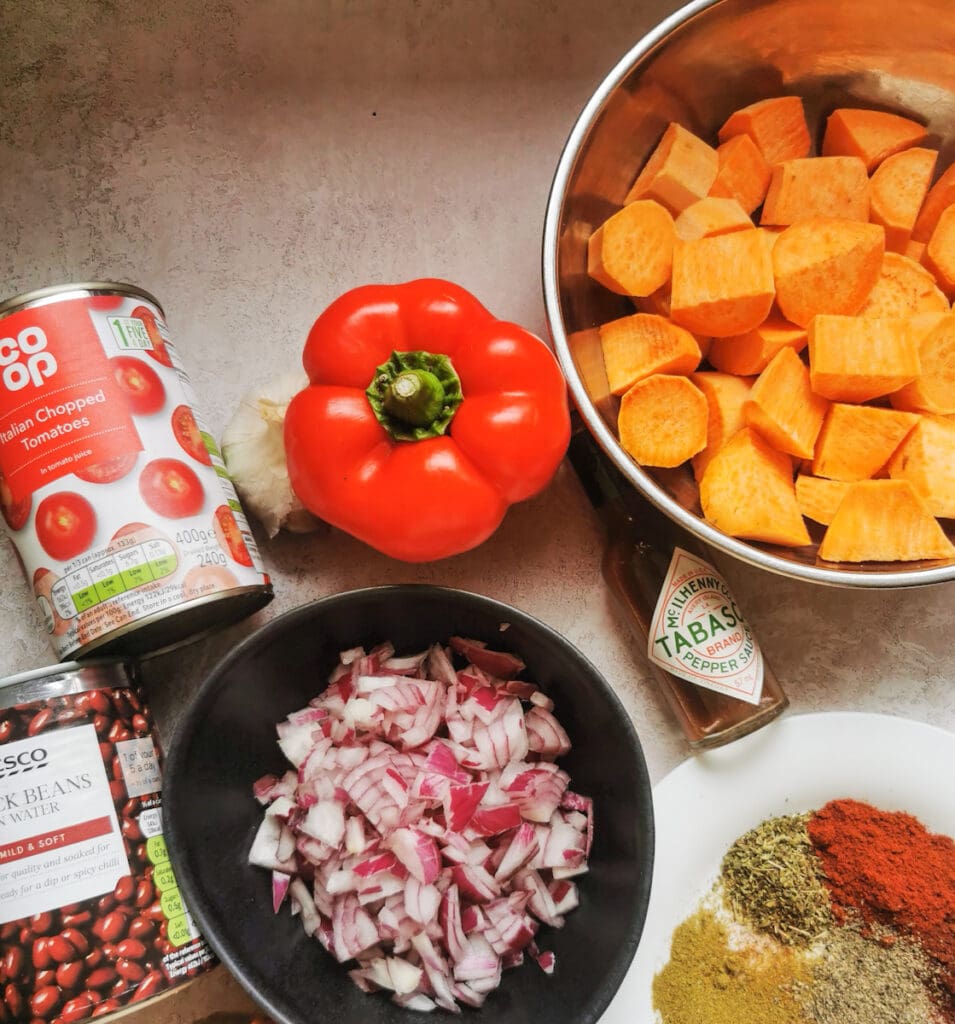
639, 477
213, 684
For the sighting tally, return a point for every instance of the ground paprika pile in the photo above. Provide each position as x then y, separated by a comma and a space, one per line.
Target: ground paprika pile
886, 868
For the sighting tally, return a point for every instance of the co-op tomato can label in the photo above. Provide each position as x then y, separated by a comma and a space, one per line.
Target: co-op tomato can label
91, 918
113, 490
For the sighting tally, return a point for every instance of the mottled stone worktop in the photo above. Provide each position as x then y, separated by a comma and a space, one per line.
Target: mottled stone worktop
247, 162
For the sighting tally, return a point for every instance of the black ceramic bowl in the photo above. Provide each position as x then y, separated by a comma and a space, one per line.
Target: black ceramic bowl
227, 741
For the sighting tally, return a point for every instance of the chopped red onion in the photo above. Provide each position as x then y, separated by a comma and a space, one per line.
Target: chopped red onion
425, 831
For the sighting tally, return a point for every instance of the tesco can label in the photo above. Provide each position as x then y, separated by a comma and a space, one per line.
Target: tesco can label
91, 915
113, 490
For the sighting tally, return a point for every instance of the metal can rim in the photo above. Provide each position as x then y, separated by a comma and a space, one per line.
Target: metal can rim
26, 299
63, 668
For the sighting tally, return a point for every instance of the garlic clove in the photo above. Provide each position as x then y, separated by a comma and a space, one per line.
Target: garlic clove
254, 451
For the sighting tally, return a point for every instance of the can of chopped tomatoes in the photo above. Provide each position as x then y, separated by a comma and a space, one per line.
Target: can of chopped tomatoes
114, 492
91, 918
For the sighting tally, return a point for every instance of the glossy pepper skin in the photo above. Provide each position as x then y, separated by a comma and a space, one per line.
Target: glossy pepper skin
419, 500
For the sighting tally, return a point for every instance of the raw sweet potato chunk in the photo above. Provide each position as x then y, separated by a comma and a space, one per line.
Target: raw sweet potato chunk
939, 255
679, 172
819, 498
926, 459
637, 346
711, 216
632, 252
914, 250
821, 186
783, 407
871, 135
934, 388
662, 420
722, 285
777, 126
747, 491
743, 173
897, 191
883, 521
852, 359
940, 196
903, 289
771, 234
826, 266
656, 302
725, 395
856, 441
750, 353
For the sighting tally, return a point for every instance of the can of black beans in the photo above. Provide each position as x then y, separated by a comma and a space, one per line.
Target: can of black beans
114, 492
91, 918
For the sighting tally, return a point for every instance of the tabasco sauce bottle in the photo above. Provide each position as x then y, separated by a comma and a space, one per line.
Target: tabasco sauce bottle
699, 646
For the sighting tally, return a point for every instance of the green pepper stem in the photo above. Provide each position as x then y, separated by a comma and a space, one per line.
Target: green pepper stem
415, 395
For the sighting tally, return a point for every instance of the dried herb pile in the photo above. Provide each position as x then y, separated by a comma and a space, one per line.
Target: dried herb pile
842, 916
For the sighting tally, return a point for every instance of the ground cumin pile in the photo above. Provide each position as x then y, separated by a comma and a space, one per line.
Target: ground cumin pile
707, 982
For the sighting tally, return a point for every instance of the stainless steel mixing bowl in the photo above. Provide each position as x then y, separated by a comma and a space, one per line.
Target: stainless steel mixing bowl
696, 67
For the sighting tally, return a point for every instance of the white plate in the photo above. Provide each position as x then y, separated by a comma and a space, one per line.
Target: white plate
796, 764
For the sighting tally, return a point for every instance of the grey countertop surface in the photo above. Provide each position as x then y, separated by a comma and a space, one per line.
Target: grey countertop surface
247, 162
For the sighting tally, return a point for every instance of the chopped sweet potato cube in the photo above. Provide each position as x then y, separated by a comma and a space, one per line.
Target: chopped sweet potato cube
777, 125
821, 186
853, 359
903, 289
679, 172
656, 302
643, 344
725, 395
819, 498
771, 234
826, 265
632, 252
743, 173
750, 353
896, 193
722, 285
711, 216
939, 256
934, 388
926, 459
940, 196
783, 407
856, 441
871, 135
914, 250
883, 521
662, 420
747, 491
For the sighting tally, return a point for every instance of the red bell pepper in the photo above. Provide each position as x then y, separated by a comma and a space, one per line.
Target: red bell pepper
425, 418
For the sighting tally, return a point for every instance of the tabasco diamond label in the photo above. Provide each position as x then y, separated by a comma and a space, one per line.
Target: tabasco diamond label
699, 634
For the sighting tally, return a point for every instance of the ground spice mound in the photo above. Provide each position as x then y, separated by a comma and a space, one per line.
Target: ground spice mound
856, 980
707, 982
888, 869
772, 879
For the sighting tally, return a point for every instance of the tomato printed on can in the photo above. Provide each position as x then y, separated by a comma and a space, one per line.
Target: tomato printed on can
112, 488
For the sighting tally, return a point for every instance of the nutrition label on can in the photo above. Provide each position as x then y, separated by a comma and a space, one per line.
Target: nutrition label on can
124, 571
